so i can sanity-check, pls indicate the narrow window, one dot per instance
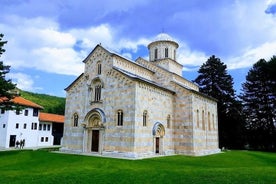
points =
(166, 52)
(120, 118)
(44, 127)
(25, 125)
(46, 139)
(97, 93)
(34, 126)
(42, 139)
(145, 118)
(48, 127)
(155, 53)
(17, 125)
(26, 112)
(2, 111)
(76, 120)
(209, 121)
(203, 122)
(174, 54)
(197, 118)
(40, 126)
(213, 121)
(4, 125)
(35, 112)
(169, 121)
(99, 68)
(17, 111)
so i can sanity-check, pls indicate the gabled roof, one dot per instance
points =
(196, 92)
(99, 45)
(24, 102)
(48, 117)
(70, 85)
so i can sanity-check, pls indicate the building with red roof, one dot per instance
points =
(29, 125)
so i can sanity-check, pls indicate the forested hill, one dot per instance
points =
(51, 104)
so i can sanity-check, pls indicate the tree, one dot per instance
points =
(6, 86)
(259, 104)
(214, 81)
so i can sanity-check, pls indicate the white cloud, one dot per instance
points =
(252, 55)
(23, 81)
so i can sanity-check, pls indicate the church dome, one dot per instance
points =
(163, 37)
(162, 47)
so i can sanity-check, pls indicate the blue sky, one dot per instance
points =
(48, 39)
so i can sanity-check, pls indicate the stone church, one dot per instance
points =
(136, 109)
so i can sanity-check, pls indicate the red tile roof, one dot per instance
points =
(22, 101)
(48, 117)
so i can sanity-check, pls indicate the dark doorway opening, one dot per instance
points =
(12, 140)
(157, 141)
(95, 141)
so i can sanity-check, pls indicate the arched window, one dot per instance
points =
(203, 122)
(145, 113)
(213, 121)
(155, 53)
(166, 52)
(197, 118)
(168, 121)
(75, 120)
(120, 118)
(99, 68)
(96, 90)
(97, 95)
(209, 121)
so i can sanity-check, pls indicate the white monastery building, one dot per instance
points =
(28, 124)
(119, 107)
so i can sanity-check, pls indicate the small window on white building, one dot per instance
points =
(4, 125)
(48, 127)
(40, 126)
(26, 112)
(35, 112)
(46, 139)
(34, 126)
(25, 125)
(42, 139)
(17, 125)
(44, 126)
(2, 111)
(17, 111)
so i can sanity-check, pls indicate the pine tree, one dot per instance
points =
(259, 103)
(214, 81)
(6, 86)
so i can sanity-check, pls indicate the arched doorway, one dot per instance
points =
(158, 132)
(94, 131)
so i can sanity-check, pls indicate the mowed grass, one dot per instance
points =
(46, 167)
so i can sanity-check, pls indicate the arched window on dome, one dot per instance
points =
(155, 53)
(166, 52)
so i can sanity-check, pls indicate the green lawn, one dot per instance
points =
(46, 167)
